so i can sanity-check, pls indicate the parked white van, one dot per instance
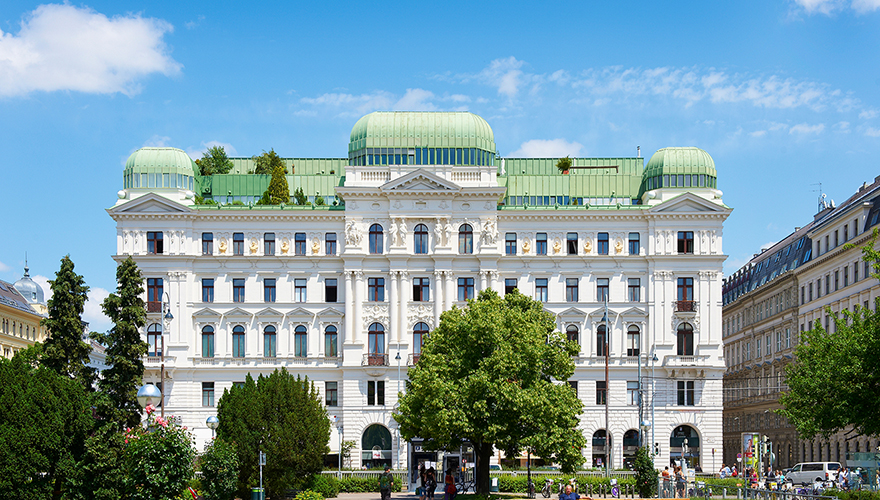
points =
(808, 472)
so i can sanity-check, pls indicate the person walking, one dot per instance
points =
(449, 489)
(386, 482)
(430, 483)
(679, 482)
(667, 485)
(423, 474)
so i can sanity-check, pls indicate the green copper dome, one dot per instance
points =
(159, 168)
(413, 129)
(681, 167)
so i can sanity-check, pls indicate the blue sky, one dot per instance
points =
(782, 93)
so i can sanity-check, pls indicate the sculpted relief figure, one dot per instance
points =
(526, 245)
(490, 232)
(588, 245)
(448, 229)
(401, 232)
(557, 245)
(285, 245)
(352, 234)
(223, 245)
(438, 233)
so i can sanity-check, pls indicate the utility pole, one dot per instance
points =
(607, 380)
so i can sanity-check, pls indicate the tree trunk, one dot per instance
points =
(481, 476)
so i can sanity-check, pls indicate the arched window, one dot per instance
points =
(420, 333)
(376, 344)
(376, 446)
(420, 239)
(685, 340)
(238, 341)
(571, 333)
(300, 341)
(632, 340)
(598, 443)
(601, 341)
(270, 342)
(465, 239)
(331, 339)
(208, 341)
(377, 243)
(154, 339)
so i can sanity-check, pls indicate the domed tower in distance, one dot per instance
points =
(31, 291)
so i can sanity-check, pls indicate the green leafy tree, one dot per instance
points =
(214, 161)
(564, 164)
(159, 459)
(299, 197)
(64, 351)
(44, 418)
(319, 201)
(486, 376)
(834, 377)
(646, 474)
(278, 191)
(281, 415)
(266, 163)
(219, 465)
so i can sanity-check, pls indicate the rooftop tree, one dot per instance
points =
(214, 161)
(278, 191)
(265, 163)
(490, 375)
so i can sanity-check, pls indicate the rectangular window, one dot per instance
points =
(510, 244)
(541, 244)
(330, 290)
(376, 392)
(572, 239)
(541, 289)
(602, 289)
(810, 289)
(421, 289)
(154, 294)
(855, 272)
(269, 244)
(827, 284)
(154, 242)
(331, 394)
(601, 392)
(845, 275)
(300, 342)
(238, 290)
(509, 285)
(685, 242)
(376, 289)
(330, 244)
(269, 290)
(836, 280)
(603, 244)
(207, 393)
(685, 291)
(845, 233)
(778, 341)
(238, 343)
(632, 393)
(574, 386)
(465, 289)
(632, 341)
(571, 289)
(207, 243)
(299, 243)
(270, 344)
(207, 344)
(788, 338)
(769, 346)
(207, 290)
(803, 294)
(634, 243)
(237, 243)
(634, 286)
(685, 393)
(867, 272)
(758, 348)
(299, 289)
(836, 241)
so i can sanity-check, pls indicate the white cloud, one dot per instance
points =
(867, 114)
(820, 6)
(842, 126)
(505, 74)
(197, 152)
(416, 100)
(864, 6)
(872, 132)
(549, 148)
(358, 105)
(803, 128)
(193, 24)
(157, 141)
(758, 133)
(63, 47)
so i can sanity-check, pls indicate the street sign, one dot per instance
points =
(262, 458)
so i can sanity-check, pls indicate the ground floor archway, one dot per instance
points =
(376, 445)
(684, 443)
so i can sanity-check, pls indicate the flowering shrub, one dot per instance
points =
(158, 458)
(219, 465)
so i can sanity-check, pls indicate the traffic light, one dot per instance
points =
(656, 448)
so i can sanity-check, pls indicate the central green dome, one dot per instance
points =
(679, 167)
(421, 129)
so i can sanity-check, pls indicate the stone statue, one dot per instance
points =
(490, 232)
(401, 232)
(448, 230)
(438, 233)
(352, 234)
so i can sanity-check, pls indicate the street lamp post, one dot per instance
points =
(166, 307)
(212, 422)
(607, 340)
(653, 392)
(397, 357)
(148, 394)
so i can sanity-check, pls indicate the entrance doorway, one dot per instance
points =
(376, 447)
(685, 443)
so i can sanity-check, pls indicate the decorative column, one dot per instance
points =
(483, 276)
(357, 320)
(348, 332)
(404, 304)
(394, 305)
(450, 289)
(437, 296)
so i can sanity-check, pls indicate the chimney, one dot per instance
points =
(638, 151)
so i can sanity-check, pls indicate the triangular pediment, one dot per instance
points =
(330, 312)
(573, 312)
(688, 203)
(420, 180)
(206, 313)
(300, 314)
(237, 313)
(269, 313)
(634, 312)
(151, 203)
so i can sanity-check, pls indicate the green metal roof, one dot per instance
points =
(422, 129)
(588, 178)
(160, 160)
(255, 185)
(305, 166)
(689, 160)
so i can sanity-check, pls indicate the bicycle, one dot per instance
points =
(531, 488)
(615, 489)
(546, 490)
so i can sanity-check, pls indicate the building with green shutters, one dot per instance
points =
(420, 215)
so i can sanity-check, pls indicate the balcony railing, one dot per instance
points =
(154, 307)
(413, 359)
(686, 306)
(375, 359)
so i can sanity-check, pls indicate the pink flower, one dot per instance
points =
(149, 409)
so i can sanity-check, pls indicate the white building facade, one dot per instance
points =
(419, 218)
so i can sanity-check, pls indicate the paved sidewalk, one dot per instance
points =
(376, 496)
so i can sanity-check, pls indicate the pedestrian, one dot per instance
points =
(449, 489)
(569, 494)
(430, 483)
(386, 482)
(723, 471)
(667, 490)
(734, 472)
(679, 481)
(423, 474)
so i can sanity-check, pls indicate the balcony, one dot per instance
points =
(413, 359)
(375, 359)
(154, 307)
(676, 361)
(685, 306)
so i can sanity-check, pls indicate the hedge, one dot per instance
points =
(519, 483)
